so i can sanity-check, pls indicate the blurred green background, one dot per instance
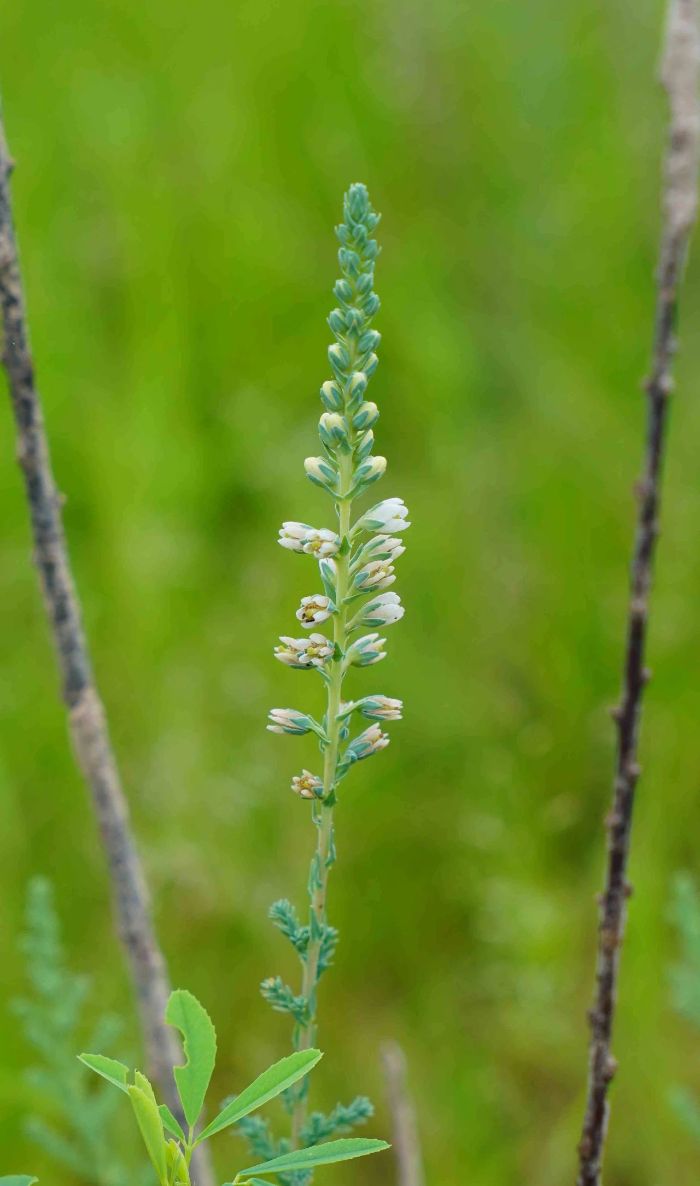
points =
(180, 171)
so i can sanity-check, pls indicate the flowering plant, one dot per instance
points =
(355, 565)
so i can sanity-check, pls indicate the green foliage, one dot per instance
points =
(171, 1157)
(150, 1122)
(302, 1159)
(280, 996)
(76, 1127)
(17, 1180)
(271, 1083)
(199, 1037)
(111, 1070)
(343, 1118)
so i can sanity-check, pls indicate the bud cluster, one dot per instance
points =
(356, 561)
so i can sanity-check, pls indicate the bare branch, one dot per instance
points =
(86, 716)
(405, 1124)
(680, 79)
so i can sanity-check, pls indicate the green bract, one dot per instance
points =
(168, 1144)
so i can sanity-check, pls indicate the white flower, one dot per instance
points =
(315, 609)
(292, 535)
(381, 611)
(368, 743)
(314, 541)
(321, 542)
(365, 651)
(308, 785)
(380, 708)
(388, 517)
(379, 574)
(288, 720)
(313, 651)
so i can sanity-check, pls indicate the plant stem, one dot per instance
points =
(409, 1159)
(680, 78)
(324, 856)
(86, 715)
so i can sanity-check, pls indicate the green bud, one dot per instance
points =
(339, 360)
(371, 469)
(364, 448)
(354, 318)
(357, 200)
(349, 262)
(337, 321)
(333, 430)
(321, 471)
(370, 365)
(360, 236)
(356, 389)
(366, 415)
(369, 340)
(332, 396)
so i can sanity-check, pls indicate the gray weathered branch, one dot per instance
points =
(86, 716)
(680, 78)
(406, 1140)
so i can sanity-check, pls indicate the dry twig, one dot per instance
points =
(680, 78)
(405, 1124)
(86, 716)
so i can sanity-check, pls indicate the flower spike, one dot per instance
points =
(356, 562)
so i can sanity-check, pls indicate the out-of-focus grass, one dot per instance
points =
(180, 169)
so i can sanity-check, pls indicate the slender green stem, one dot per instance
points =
(324, 856)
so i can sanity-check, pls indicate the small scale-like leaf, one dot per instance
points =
(149, 1121)
(307, 1159)
(111, 1070)
(272, 1082)
(170, 1123)
(199, 1037)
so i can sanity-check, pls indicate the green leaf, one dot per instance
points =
(177, 1166)
(111, 1070)
(250, 1182)
(171, 1124)
(17, 1180)
(151, 1126)
(303, 1159)
(199, 1037)
(272, 1082)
